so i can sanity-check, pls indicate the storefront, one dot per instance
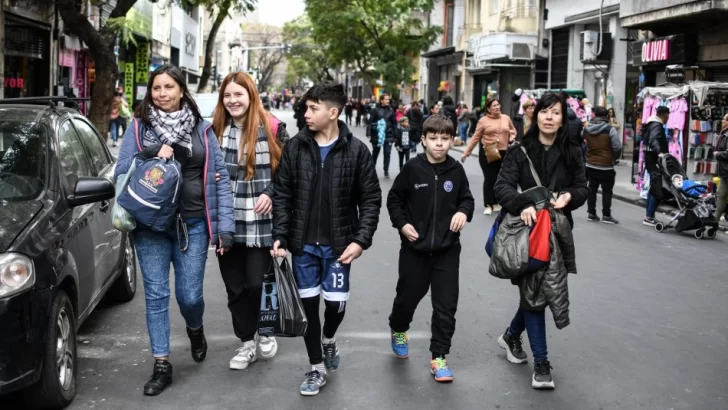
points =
(26, 57)
(73, 70)
(444, 69)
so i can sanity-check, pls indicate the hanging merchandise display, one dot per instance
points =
(693, 128)
(576, 100)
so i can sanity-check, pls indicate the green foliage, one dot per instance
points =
(379, 37)
(306, 59)
(126, 28)
(225, 6)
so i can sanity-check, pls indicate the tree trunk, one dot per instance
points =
(103, 94)
(209, 50)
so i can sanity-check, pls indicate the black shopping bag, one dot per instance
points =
(281, 310)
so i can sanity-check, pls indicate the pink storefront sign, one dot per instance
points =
(66, 58)
(658, 50)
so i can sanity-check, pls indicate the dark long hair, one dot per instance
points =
(562, 142)
(142, 110)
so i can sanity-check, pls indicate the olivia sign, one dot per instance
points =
(657, 50)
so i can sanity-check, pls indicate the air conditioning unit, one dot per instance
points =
(521, 51)
(590, 45)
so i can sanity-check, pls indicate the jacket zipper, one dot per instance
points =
(434, 212)
(317, 156)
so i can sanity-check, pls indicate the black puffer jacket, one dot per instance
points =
(387, 113)
(516, 172)
(356, 197)
(721, 154)
(450, 111)
(575, 128)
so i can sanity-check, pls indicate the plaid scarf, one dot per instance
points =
(251, 229)
(171, 128)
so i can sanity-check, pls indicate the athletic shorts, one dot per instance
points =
(318, 269)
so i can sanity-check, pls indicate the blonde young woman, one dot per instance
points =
(251, 140)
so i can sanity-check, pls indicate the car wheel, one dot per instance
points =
(57, 385)
(124, 288)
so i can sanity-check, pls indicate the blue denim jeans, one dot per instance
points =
(463, 131)
(652, 203)
(115, 125)
(534, 322)
(155, 251)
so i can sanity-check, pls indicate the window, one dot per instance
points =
(72, 155)
(450, 15)
(99, 155)
(22, 160)
(494, 6)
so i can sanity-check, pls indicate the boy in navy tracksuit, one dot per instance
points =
(429, 203)
(402, 141)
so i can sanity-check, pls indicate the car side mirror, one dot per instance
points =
(91, 189)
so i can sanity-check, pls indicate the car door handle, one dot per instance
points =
(104, 206)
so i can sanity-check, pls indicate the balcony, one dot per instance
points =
(489, 47)
(464, 33)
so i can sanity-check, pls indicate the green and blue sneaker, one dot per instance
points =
(400, 344)
(439, 369)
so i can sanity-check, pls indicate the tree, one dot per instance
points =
(100, 45)
(306, 59)
(378, 37)
(265, 60)
(219, 10)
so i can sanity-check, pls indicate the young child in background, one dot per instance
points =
(402, 141)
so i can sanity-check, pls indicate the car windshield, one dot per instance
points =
(22, 160)
(206, 103)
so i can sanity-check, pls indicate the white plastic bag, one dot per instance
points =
(121, 219)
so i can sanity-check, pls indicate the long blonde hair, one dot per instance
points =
(255, 117)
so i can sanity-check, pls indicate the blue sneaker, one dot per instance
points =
(439, 369)
(313, 383)
(332, 360)
(400, 344)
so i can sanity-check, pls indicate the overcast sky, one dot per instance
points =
(277, 12)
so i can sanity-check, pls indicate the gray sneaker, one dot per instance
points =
(514, 348)
(268, 346)
(542, 376)
(313, 383)
(332, 360)
(244, 356)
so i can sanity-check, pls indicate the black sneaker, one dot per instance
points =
(542, 376)
(198, 344)
(649, 221)
(592, 218)
(161, 378)
(332, 360)
(514, 348)
(609, 220)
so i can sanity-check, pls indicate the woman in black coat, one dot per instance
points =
(554, 155)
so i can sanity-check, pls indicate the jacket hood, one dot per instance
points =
(597, 126)
(654, 118)
(449, 161)
(571, 114)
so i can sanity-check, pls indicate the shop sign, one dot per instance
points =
(658, 50)
(65, 58)
(14, 83)
(129, 81)
(142, 62)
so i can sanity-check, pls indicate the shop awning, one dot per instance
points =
(439, 52)
(699, 88)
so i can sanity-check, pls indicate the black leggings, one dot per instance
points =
(333, 316)
(490, 174)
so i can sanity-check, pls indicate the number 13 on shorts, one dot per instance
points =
(335, 284)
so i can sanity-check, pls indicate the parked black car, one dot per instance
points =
(59, 254)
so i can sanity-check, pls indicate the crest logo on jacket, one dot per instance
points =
(448, 186)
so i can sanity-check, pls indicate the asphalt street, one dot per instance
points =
(649, 322)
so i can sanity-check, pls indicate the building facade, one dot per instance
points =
(441, 66)
(500, 41)
(186, 42)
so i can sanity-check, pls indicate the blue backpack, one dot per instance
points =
(152, 195)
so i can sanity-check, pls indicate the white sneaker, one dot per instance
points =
(268, 347)
(244, 357)
(496, 208)
(488, 210)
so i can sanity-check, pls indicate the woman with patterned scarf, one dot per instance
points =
(252, 152)
(167, 124)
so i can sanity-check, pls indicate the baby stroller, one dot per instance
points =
(696, 206)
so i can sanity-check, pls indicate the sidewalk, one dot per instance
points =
(624, 190)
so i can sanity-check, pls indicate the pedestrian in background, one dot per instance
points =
(381, 130)
(252, 154)
(523, 122)
(118, 107)
(721, 155)
(495, 131)
(463, 123)
(558, 163)
(429, 204)
(402, 141)
(655, 142)
(415, 116)
(348, 111)
(168, 124)
(326, 209)
(603, 146)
